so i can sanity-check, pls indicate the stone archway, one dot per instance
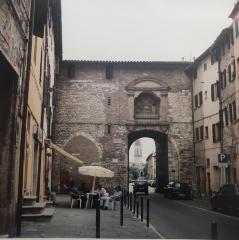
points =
(85, 149)
(161, 142)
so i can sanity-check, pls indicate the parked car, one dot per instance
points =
(140, 186)
(226, 199)
(177, 190)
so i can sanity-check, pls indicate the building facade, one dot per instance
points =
(151, 166)
(103, 107)
(14, 33)
(30, 44)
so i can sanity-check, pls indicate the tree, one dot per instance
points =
(134, 172)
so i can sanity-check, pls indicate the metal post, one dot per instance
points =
(137, 208)
(98, 219)
(130, 202)
(121, 211)
(134, 203)
(214, 230)
(147, 212)
(142, 209)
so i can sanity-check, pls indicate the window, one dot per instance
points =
(229, 70)
(216, 135)
(230, 112)
(108, 129)
(195, 74)
(205, 66)
(234, 110)
(236, 28)
(208, 162)
(201, 133)
(109, 101)
(214, 92)
(71, 71)
(226, 116)
(109, 71)
(223, 79)
(233, 70)
(200, 99)
(196, 101)
(206, 132)
(197, 134)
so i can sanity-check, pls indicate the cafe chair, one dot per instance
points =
(75, 198)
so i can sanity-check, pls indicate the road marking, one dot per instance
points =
(209, 211)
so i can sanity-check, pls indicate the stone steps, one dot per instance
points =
(44, 215)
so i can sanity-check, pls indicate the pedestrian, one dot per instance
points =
(104, 197)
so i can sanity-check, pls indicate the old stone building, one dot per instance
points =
(14, 33)
(103, 107)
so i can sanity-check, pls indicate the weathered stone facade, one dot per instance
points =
(14, 26)
(98, 118)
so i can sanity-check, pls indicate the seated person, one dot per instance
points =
(104, 197)
(83, 191)
(117, 194)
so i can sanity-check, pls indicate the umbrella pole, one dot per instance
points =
(93, 185)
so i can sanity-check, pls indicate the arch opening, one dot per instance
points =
(161, 154)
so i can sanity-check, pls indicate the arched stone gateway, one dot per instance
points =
(161, 142)
(138, 99)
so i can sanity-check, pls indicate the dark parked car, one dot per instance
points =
(226, 199)
(140, 186)
(177, 190)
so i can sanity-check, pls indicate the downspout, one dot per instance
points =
(45, 82)
(24, 121)
(194, 158)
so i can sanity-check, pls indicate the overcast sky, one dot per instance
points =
(141, 29)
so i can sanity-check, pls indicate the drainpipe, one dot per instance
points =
(195, 190)
(24, 122)
(221, 176)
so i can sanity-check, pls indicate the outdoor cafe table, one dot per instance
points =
(90, 199)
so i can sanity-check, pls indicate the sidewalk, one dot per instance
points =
(80, 223)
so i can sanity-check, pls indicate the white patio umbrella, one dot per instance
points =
(95, 171)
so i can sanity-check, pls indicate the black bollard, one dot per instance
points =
(142, 209)
(134, 203)
(124, 197)
(121, 211)
(98, 219)
(137, 209)
(214, 230)
(130, 201)
(147, 212)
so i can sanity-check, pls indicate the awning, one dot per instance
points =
(62, 151)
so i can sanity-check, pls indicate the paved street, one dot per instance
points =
(189, 219)
(80, 223)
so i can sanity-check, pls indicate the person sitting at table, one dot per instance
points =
(83, 191)
(117, 194)
(104, 197)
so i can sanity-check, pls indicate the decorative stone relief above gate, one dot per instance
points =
(147, 100)
(146, 105)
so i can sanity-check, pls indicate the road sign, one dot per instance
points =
(223, 160)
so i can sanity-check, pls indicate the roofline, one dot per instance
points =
(234, 10)
(209, 50)
(107, 61)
